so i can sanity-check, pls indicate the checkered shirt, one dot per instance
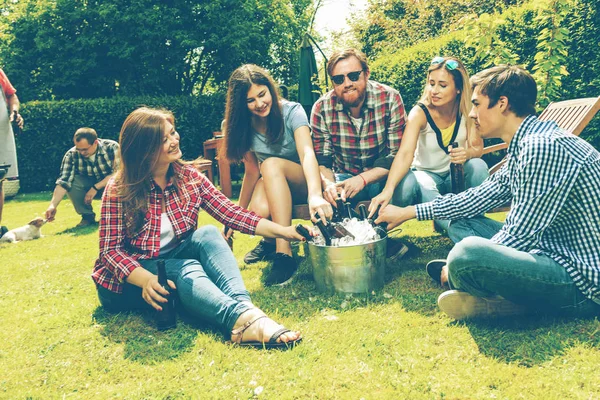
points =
(105, 163)
(553, 180)
(339, 145)
(119, 252)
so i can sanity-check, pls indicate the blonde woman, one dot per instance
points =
(439, 119)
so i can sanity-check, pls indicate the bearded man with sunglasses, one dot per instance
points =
(357, 128)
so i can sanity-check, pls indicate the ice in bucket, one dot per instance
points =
(353, 263)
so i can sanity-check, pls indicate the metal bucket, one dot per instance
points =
(349, 269)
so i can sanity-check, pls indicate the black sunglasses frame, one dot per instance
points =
(353, 76)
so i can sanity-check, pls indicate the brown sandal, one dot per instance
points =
(272, 343)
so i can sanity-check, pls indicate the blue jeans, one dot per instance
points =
(482, 268)
(208, 280)
(433, 184)
(406, 193)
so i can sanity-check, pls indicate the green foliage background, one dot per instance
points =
(62, 49)
(51, 125)
(406, 69)
(397, 24)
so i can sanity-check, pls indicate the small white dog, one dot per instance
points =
(30, 231)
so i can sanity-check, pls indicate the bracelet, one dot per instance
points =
(363, 178)
(95, 188)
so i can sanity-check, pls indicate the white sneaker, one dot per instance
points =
(462, 305)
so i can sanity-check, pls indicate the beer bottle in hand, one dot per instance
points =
(349, 211)
(457, 175)
(304, 232)
(325, 232)
(230, 239)
(363, 212)
(338, 213)
(15, 126)
(165, 319)
(379, 228)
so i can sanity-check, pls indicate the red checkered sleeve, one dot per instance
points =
(113, 255)
(321, 136)
(397, 123)
(392, 100)
(223, 210)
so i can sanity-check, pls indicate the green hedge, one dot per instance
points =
(50, 125)
(406, 70)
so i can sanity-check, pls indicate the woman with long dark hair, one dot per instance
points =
(439, 119)
(150, 211)
(272, 137)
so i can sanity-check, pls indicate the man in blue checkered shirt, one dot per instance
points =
(85, 170)
(546, 255)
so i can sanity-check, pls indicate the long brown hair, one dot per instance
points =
(140, 143)
(238, 126)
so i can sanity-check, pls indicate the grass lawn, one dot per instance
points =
(56, 342)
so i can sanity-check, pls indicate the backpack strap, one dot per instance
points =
(438, 133)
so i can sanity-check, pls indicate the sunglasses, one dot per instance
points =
(353, 76)
(451, 65)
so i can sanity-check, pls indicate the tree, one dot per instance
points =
(395, 24)
(97, 48)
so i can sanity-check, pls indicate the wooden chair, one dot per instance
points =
(571, 115)
(212, 147)
(203, 165)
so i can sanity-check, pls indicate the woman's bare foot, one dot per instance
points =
(254, 328)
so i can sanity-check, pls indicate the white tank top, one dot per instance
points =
(429, 156)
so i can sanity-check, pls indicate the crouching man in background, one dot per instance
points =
(85, 170)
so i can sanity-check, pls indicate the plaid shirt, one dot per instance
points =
(119, 253)
(342, 147)
(105, 163)
(553, 180)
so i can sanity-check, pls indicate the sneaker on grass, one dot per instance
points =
(263, 251)
(282, 270)
(87, 220)
(395, 249)
(462, 305)
(434, 270)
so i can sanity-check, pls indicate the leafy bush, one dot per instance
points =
(406, 69)
(583, 22)
(391, 24)
(50, 125)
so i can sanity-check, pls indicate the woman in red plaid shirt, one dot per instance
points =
(150, 211)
